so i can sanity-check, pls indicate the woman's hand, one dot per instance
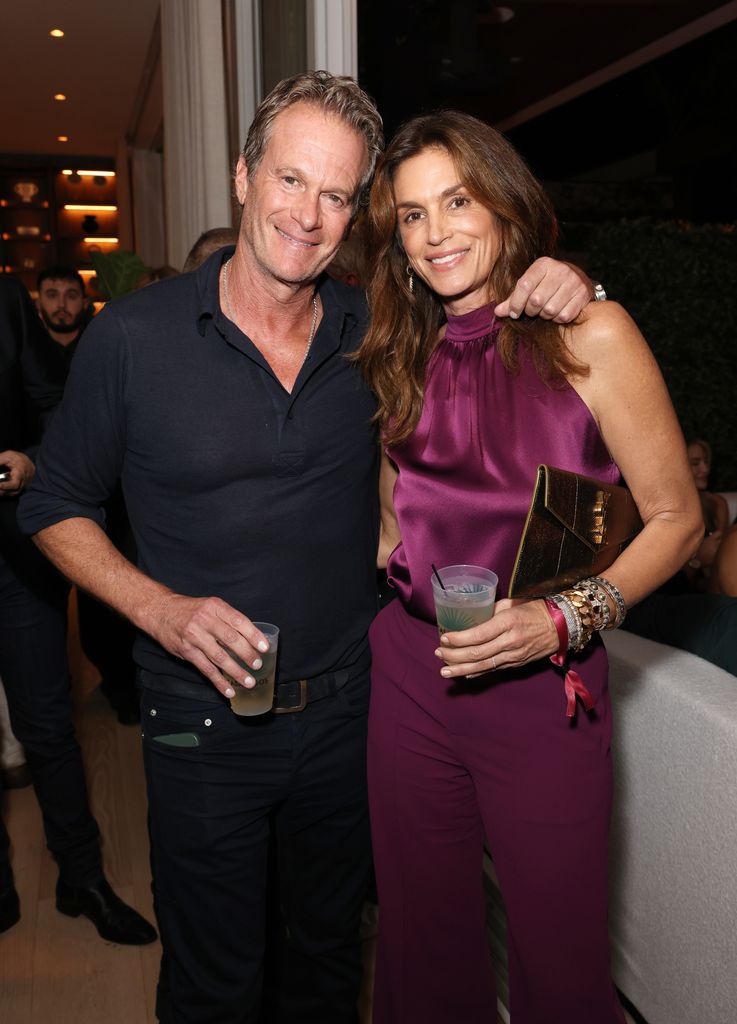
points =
(518, 632)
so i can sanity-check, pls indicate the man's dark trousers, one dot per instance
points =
(216, 784)
(33, 667)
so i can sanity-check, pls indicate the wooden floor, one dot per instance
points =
(55, 968)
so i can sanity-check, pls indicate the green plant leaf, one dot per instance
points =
(117, 272)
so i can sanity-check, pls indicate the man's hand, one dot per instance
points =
(203, 630)
(21, 473)
(549, 289)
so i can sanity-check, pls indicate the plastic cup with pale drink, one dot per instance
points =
(258, 699)
(464, 598)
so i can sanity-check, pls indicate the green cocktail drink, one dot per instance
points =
(466, 597)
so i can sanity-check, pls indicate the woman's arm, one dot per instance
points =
(389, 535)
(627, 396)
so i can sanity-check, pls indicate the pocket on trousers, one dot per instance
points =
(173, 722)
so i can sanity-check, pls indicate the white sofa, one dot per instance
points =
(673, 899)
(674, 833)
(731, 498)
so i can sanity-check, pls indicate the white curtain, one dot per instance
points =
(148, 209)
(332, 36)
(196, 171)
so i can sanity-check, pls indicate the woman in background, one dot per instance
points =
(470, 740)
(715, 514)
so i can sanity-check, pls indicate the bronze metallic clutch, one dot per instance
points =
(576, 527)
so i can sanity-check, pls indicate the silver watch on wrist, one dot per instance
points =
(599, 293)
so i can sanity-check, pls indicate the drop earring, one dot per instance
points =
(411, 277)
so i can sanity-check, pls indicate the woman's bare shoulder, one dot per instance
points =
(604, 332)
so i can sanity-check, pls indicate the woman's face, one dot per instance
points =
(451, 240)
(700, 467)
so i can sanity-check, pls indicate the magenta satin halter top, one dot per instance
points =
(467, 472)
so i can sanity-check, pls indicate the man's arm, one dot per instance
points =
(196, 629)
(389, 536)
(79, 463)
(550, 289)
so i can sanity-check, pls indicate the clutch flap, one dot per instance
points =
(598, 514)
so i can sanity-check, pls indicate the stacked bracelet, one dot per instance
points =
(587, 610)
(578, 596)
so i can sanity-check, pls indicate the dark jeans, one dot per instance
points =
(219, 786)
(33, 667)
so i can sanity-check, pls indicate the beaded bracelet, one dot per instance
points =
(617, 599)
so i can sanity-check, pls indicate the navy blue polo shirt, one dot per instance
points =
(234, 487)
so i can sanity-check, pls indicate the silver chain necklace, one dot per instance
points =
(229, 311)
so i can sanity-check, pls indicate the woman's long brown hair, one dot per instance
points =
(405, 322)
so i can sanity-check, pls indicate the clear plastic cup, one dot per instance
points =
(468, 597)
(258, 699)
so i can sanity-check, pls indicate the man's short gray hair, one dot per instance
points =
(334, 94)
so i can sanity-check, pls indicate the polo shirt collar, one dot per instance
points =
(334, 307)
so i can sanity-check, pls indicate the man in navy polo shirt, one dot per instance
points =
(225, 402)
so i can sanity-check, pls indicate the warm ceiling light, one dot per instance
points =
(98, 174)
(62, 138)
(87, 206)
(59, 97)
(94, 240)
(87, 273)
(57, 33)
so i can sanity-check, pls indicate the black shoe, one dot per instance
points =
(113, 919)
(9, 909)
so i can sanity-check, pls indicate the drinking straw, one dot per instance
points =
(437, 575)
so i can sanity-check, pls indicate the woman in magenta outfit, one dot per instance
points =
(469, 738)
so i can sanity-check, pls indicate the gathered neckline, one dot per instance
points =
(478, 323)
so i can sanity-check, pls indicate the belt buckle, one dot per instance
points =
(297, 707)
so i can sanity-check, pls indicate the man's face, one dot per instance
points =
(62, 305)
(299, 202)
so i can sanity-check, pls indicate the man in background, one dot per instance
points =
(63, 305)
(33, 657)
(107, 640)
(208, 243)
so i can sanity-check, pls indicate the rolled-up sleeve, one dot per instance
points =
(82, 453)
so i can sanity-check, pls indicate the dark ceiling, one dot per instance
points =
(577, 86)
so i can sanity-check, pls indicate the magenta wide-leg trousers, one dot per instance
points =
(494, 758)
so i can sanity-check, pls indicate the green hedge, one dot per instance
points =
(679, 282)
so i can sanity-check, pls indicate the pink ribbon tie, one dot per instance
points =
(574, 684)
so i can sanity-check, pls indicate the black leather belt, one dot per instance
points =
(297, 694)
